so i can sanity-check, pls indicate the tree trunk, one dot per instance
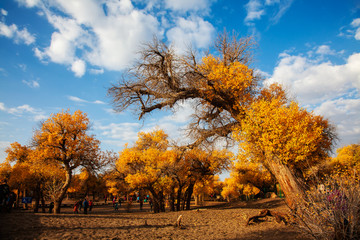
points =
(290, 185)
(63, 190)
(189, 192)
(172, 199)
(178, 198)
(37, 198)
(42, 202)
(158, 201)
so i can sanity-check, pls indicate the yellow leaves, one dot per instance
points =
(63, 138)
(284, 131)
(17, 153)
(143, 164)
(235, 79)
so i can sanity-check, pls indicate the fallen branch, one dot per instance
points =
(178, 221)
(279, 217)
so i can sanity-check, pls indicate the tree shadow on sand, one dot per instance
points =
(252, 204)
(271, 234)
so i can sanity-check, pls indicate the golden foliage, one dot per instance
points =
(274, 131)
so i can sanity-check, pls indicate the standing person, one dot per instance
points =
(90, 205)
(151, 204)
(76, 207)
(80, 205)
(119, 201)
(51, 207)
(85, 205)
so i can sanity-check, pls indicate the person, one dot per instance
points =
(151, 204)
(76, 207)
(51, 207)
(119, 201)
(85, 205)
(116, 206)
(90, 205)
(80, 205)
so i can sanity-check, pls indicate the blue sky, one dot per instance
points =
(61, 54)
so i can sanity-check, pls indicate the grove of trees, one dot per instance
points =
(231, 103)
(277, 140)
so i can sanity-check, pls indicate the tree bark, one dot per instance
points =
(178, 198)
(172, 199)
(37, 198)
(42, 202)
(290, 185)
(63, 190)
(189, 192)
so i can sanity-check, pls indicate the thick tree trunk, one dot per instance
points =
(189, 192)
(63, 190)
(172, 199)
(178, 198)
(290, 185)
(158, 201)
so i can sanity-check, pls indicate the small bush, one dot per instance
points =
(331, 210)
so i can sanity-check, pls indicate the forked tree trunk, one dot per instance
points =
(63, 190)
(290, 185)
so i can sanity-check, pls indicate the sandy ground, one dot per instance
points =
(227, 221)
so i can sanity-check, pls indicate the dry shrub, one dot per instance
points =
(331, 209)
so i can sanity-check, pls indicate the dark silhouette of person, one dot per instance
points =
(85, 205)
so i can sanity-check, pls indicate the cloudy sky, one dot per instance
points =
(61, 54)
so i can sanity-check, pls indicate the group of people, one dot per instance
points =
(85, 204)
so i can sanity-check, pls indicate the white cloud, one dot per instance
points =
(186, 5)
(29, 3)
(345, 113)
(331, 90)
(19, 36)
(24, 110)
(3, 12)
(118, 134)
(79, 100)
(325, 50)
(78, 67)
(107, 35)
(315, 82)
(99, 102)
(193, 31)
(255, 10)
(97, 71)
(356, 24)
(182, 113)
(76, 99)
(32, 83)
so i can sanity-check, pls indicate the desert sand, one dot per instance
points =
(222, 221)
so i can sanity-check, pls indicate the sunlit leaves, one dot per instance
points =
(284, 132)
(63, 138)
(235, 81)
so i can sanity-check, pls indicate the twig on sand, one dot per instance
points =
(178, 222)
